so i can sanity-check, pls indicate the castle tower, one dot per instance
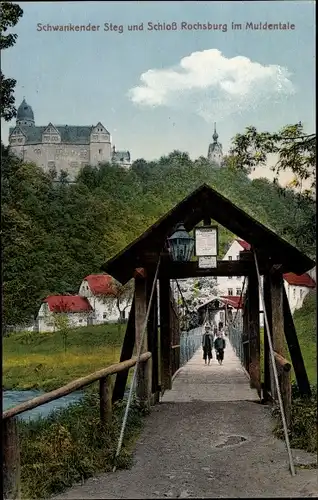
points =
(25, 116)
(215, 152)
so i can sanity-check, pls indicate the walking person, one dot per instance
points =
(219, 346)
(207, 344)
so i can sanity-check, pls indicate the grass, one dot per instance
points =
(305, 324)
(71, 445)
(39, 361)
(303, 426)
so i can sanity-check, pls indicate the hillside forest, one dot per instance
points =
(56, 233)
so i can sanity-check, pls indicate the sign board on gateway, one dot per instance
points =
(207, 262)
(206, 241)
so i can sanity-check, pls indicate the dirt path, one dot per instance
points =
(209, 437)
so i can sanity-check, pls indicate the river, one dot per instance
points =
(13, 398)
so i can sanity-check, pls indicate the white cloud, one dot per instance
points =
(212, 85)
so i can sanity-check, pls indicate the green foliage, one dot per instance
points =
(38, 360)
(10, 14)
(71, 446)
(54, 234)
(62, 325)
(296, 151)
(306, 328)
(303, 427)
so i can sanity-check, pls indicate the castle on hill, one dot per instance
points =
(66, 148)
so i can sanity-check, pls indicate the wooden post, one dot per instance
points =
(276, 286)
(145, 383)
(283, 370)
(105, 400)
(285, 384)
(165, 333)
(140, 317)
(254, 333)
(153, 339)
(11, 460)
(268, 373)
(126, 353)
(294, 349)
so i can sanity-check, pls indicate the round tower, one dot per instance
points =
(215, 152)
(25, 116)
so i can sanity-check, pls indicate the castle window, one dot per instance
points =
(20, 139)
(230, 291)
(100, 151)
(51, 164)
(230, 257)
(238, 291)
(74, 164)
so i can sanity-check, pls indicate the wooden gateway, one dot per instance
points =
(275, 256)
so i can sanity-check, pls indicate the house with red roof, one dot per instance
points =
(106, 297)
(77, 310)
(297, 287)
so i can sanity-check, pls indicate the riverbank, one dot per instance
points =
(34, 360)
(71, 445)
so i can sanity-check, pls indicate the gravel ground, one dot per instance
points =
(208, 438)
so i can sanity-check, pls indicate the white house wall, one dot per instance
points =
(45, 319)
(295, 295)
(104, 310)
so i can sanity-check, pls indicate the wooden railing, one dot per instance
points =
(10, 437)
(284, 378)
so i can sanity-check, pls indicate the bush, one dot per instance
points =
(71, 445)
(303, 425)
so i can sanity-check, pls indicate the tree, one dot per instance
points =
(10, 14)
(296, 151)
(61, 323)
(121, 296)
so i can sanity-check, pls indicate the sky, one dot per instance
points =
(160, 90)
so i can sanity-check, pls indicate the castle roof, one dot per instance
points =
(118, 156)
(70, 134)
(25, 112)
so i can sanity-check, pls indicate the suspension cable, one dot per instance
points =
(121, 436)
(271, 350)
(240, 299)
(182, 297)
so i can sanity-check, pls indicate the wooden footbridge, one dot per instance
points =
(153, 333)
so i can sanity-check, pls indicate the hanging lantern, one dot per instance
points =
(181, 244)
